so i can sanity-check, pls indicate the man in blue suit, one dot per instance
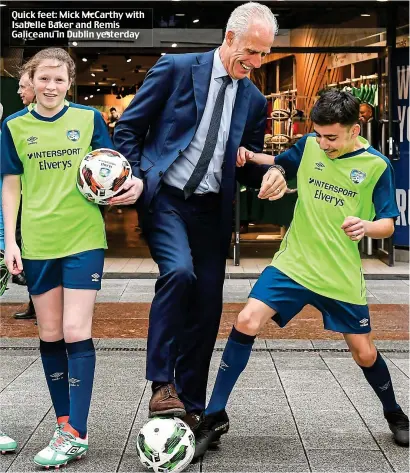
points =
(181, 134)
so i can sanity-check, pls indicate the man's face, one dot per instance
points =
(336, 140)
(26, 90)
(365, 113)
(245, 52)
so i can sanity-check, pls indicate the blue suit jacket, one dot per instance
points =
(161, 121)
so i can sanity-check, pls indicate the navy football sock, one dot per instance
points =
(81, 367)
(55, 365)
(378, 377)
(234, 360)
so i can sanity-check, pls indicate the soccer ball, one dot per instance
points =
(165, 444)
(102, 175)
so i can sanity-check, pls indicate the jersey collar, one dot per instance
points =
(365, 147)
(49, 119)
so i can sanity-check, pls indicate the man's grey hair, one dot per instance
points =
(244, 15)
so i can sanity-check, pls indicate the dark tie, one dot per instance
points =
(210, 142)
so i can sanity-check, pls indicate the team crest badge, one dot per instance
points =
(73, 135)
(357, 176)
(105, 172)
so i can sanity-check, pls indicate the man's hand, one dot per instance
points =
(354, 228)
(133, 189)
(273, 185)
(12, 258)
(243, 156)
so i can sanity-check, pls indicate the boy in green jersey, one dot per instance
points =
(346, 191)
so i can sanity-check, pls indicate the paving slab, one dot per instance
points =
(348, 461)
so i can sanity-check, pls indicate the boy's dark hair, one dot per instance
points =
(113, 108)
(336, 106)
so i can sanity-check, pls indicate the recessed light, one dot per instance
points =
(174, 45)
(93, 74)
(91, 96)
(74, 43)
(85, 59)
(114, 84)
(179, 14)
(98, 90)
(163, 54)
(364, 14)
(196, 20)
(128, 59)
(382, 0)
(3, 5)
(85, 98)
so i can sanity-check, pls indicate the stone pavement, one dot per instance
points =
(235, 290)
(300, 406)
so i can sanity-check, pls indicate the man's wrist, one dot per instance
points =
(279, 168)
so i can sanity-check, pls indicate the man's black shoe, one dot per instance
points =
(399, 425)
(29, 313)
(19, 279)
(209, 431)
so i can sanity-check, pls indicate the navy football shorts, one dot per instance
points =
(80, 271)
(287, 298)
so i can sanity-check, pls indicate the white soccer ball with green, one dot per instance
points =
(165, 445)
(102, 175)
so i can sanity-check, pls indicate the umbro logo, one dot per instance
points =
(32, 140)
(364, 322)
(385, 387)
(74, 382)
(223, 366)
(73, 450)
(56, 376)
(95, 277)
(319, 166)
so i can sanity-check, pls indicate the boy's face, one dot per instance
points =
(336, 140)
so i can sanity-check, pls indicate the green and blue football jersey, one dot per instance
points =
(57, 220)
(315, 251)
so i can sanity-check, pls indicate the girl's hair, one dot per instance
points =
(57, 54)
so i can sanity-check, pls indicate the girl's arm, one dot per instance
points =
(11, 195)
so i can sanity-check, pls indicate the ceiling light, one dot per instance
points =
(174, 45)
(3, 5)
(85, 59)
(74, 43)
(196, 20)
(91, 96)
(85, 98)
(98, 90)
(128, 59)
(114, 84)
(163, 54)
(93, 74)
(179, 14)
(382, 0)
